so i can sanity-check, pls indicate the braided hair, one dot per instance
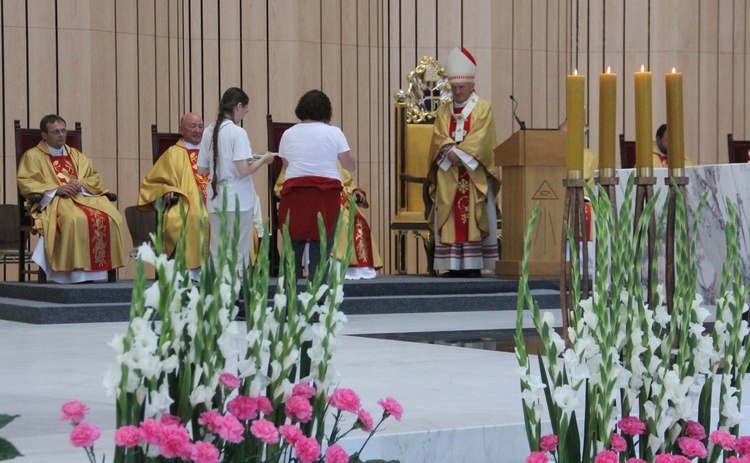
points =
(232, 96)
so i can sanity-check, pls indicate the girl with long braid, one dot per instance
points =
(226, 155)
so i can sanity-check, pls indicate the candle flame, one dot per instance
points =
(673, 71)
(609, 70)
(575, 72)
(643, 68)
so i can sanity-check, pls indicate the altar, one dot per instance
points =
(718, 182)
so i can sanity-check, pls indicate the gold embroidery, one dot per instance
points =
(463, 185)
(98, 239)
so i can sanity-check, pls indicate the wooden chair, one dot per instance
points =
(627, 153)
(160, 141)
(25, 140)
(10, 236)
(739, 150)
(275, 131)
(140, 225)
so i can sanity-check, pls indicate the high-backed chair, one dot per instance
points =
(25, 140)
(739, 150)
(627, 153)
(415, 113)
(10, 237)
(275, 131)
(140, 225)
(160, 141)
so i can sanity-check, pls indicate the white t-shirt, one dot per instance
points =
(312, 149)
(234, 145)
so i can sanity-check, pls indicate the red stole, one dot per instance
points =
(461, 201)
(200, 180)
(98, 222)
(362, 238)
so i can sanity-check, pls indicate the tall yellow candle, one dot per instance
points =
(607, 120)
(643, 123)
(675, 121)
(576, 89)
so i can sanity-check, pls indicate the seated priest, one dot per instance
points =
(79, 227)
(174, 180)
(661, 147)
(365, 260)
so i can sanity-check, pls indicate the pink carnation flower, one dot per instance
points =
(742, 445)
(174, 441)
(632, 426)
(298, 408)
(128, 436)
(537, 457)
(307, 450)
(364, 420)
(548, 443)
(291, 433)
(265, 431)
(736, 460)
(84, 435)
(722, 438)
(391, 407)
(617, 443)
(335, 454)
(345, 399)
(606, 456)
(74, 411)
(264, 405)
(695, 430)
(680, 459)
(243, 407)
(229, 381)
(171, 419)
(212, 420)
(304, 390)
(231, 430)
(204, 452)
(635, 460)
(152, 431)
(692, 447)
(663, 458)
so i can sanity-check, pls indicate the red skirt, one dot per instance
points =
(302, 199)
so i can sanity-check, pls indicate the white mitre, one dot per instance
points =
(460, 67)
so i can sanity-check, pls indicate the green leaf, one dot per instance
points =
(7, 450)
(5, 419)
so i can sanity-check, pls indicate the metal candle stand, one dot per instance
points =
(574, 215)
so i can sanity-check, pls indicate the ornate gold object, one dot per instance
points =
(428, 89)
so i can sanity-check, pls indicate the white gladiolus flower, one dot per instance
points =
(566, 398)
(662, 317)
(548, 319)
(133, 381)
(731, 411)
(291, 359)
(275, 370)
(201, 394)
(170, 364)
(556, 340)
(591, 319)
(158, 402)
(279, 301)
(146, 340)
(578, 375)
(136, 358)
(112, 379)
(146, 253)
(529, 398)
(117, 343)
(321, 292)
(246, 368)
(304, 298)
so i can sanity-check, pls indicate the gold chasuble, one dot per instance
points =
(661, 160)
(80, 232)
(175, 172)
(461, 194)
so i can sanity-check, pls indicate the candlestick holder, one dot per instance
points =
(644, 182)
(575, 216)
(677, 181)
(608, 180)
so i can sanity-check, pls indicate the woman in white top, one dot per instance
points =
(311, 151)
(227, 156)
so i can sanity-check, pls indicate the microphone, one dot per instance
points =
(518, 119)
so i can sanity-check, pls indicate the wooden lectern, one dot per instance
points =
(533, 168)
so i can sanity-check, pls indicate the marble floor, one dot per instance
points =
(450, 394)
